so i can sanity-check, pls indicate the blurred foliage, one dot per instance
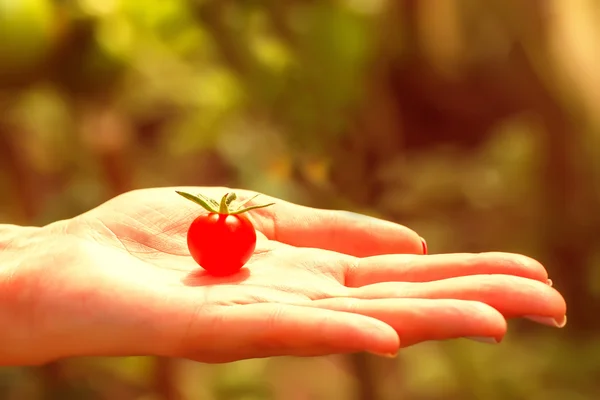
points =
(475, 123)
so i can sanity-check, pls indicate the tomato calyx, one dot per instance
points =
(226, 206)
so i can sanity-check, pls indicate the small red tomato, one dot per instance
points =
(223, 240)
(221, 244)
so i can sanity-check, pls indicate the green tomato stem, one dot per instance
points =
(231, 198)
(225, 206)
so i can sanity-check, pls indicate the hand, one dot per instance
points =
(118, 280)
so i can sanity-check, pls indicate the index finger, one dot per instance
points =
(335, 230)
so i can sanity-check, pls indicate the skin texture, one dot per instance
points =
(221, 244)
(119, 280)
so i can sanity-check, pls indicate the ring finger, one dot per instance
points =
(511, 295)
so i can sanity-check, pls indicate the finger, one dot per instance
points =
(266, 330)
(419, 320)
(342, 232)
(512, 296)
(411, 268)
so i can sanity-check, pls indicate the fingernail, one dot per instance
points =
(483, 339)
(549, 321)
(549, 282)
(424, 243)
(386, 355)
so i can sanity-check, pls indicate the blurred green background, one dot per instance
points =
(476, 123)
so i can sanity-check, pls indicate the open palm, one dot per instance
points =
(319, 282)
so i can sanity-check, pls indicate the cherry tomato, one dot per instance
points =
(221, 244)
(223, 240)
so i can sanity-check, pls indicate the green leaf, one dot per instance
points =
(251, 208)
(208, 200)
(247, 201)
(198, 200)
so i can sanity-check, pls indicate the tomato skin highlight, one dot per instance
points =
(221, 244)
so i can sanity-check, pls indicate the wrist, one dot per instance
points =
(17, 346)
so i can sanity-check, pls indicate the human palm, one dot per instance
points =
(319, 282)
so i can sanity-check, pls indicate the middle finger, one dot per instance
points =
(512, 296)
(417, 268)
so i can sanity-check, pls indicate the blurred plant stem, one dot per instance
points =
(570, 244)
(53, 380)
(366, 380)
(164, 379)
(20, 176)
